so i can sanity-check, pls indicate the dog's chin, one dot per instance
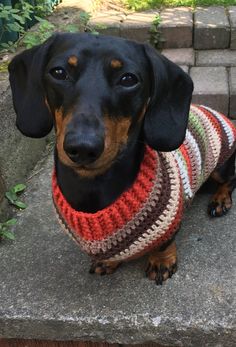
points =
(97, 168)
(91, 170)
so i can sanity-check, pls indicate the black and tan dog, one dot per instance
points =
(107, 97)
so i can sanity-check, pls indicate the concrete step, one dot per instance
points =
(46, 291)
(18, 154)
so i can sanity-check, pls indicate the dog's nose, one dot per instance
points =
(83, 150)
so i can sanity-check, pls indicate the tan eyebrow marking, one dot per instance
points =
(73, 60)
(116, 64)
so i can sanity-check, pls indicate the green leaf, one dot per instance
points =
(14, 26)
(20, 204)
(11, 196)
(8, 235)
(19, 188)
(11, 222)
(4, 45)
(39, 19)
(15, 10)
(19, 18)
(71, 28)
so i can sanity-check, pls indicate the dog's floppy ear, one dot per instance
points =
(167, 113)
(26, 74)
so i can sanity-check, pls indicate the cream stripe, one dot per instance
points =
(167, 217)
(225, 125)
(184, 173)
(194, 152)
(214, 141)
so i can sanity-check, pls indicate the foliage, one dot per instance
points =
(44, 31)
(155, 35)
(15, 19)
(12, 196)
(5, 232)
(18, 18)
(145, 4)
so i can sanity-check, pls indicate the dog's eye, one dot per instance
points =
(128, 80)
(59, 73)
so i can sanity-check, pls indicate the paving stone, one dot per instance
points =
(180, 56)
(211, 87)
(216, 57)
(232, 88)
(176, 27)
(47, 293)
(232, 19)
(136, 26)
(212, 29)
(107, 22)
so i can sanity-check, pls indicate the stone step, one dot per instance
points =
(204, 28)
(213, 74)
(232, 89)
(232, 19)
(46, 291)
(176, 27)
(211, 87)
(218, 57)
(211, 28)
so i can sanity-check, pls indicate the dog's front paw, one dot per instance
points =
(162, 265)
(104, 267)
(221, 202)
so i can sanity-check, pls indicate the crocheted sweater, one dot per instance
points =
(150, 211)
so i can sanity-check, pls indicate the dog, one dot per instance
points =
(131, 150)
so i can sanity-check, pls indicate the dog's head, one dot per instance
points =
(102, 94)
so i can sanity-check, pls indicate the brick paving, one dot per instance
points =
(202, 42)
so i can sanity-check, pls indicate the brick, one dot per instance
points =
(136, 26)
(107, 22)
(180, 56)
(212, 29)
(232, 89)
(224, 57)
(176, 27)
(211, 87)
(232, 19)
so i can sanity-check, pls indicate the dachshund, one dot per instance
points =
(131, 150)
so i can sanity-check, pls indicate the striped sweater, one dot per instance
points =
(150, 211)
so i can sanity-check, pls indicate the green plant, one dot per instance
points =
(83, 24)
(12, 196)
(17, 20)
(12, 20)
(44, 30)
(156, 38)
(5, 233)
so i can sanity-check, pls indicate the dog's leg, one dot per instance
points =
(221, 202)
(104, 267)
(162, 263)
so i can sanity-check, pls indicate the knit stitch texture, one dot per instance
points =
(149, 213)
